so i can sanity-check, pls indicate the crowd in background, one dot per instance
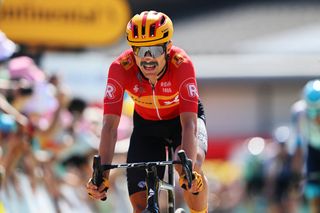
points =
(48, 139)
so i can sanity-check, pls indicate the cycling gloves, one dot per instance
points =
(105, 183)
(196, 180)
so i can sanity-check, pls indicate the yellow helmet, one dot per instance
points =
(149, 28)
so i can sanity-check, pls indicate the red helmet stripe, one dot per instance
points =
(144, 19)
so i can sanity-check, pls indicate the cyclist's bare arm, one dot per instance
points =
(189, 132)
(108, 138)
(106, 151)
(196, 196)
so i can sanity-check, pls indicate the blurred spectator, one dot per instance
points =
(306, 129)
(47, 140)
(24, 67)
(32, 95)
(250, 156)
(7, 47)
(12, 122)
(254, 181)
(281, 186)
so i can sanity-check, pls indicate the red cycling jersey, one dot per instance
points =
(175, 92)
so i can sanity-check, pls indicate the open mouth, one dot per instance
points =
(149, 65)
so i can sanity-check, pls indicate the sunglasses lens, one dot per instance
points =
(153, 51)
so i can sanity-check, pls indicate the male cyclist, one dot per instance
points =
(160, 78)
(306, 120)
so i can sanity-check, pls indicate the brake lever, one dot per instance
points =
(187, 166)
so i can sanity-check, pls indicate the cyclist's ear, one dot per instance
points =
(169, 45)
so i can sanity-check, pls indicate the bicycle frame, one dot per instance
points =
(153, 183)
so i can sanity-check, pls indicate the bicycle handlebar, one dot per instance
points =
(187, 166)
(98, 169)
(97, 172)
(97, 178)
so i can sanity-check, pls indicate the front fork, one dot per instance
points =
(152, 182)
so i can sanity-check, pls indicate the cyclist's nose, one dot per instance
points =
(148, 54)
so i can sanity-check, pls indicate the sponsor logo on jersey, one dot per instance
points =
(142, 184)
(188, 90)
(166, 86)
(169, 102)
(177, 59)
(110, 90)
(192, 90)
(127, 62)
(113, 92)
(136, 88)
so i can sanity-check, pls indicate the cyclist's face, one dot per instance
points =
(151, 60)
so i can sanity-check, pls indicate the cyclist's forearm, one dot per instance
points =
(188, 144)
(189, 131)
(108, 138)
(107, 145)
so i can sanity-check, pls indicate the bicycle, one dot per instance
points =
(153, 183)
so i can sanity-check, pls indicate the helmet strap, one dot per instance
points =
(167, 56)
(160, 74)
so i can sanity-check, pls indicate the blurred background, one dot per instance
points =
(252, 58)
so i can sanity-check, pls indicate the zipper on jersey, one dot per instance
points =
(154, 99)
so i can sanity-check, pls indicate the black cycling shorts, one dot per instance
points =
(148, 143)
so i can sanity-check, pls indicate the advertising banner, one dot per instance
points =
(68, 23)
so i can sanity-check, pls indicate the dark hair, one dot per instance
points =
(77, 105)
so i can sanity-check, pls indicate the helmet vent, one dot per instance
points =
(135, 31)
(143, 30)
(152, 30)
(163, 19)
(165, 34)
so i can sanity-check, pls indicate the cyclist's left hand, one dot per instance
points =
(196, 185)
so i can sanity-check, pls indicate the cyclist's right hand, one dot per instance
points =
(99, 193)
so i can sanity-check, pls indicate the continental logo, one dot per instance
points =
(162, 102)
(127, 62)
(177, 59)
(70, 23)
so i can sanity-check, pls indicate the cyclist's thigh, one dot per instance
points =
(202, 135)
(143, 149)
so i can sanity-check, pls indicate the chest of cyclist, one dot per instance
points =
(139, 86)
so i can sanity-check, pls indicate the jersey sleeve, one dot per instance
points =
(113, 96)
(188, 89)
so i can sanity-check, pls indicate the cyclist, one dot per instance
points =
(306, 120)
(160, 78)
